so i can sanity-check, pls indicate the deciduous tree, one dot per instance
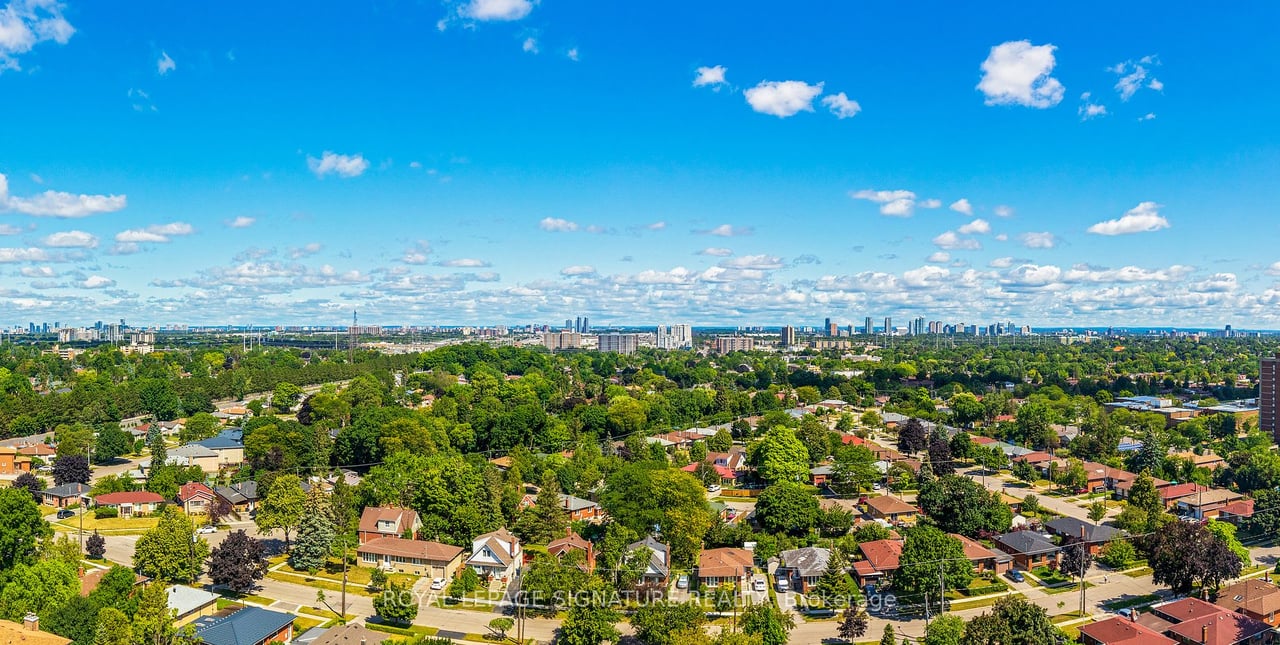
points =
(171, 550)
(282, 508)
(21, 527)
(239, 562)
(71, 469)
(786, 508)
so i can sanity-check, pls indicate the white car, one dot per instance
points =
(438, 584)
(207, 529)
(714, 488)
(758, 585)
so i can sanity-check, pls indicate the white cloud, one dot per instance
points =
(39, 272)
(979, 226)
(783, 98)
(1143, 218)
(1217, 283)
(572, 54)
(557, 225)
(58, 204)
(241, 222)
(926, 276)
(306, 250)
(10, 255)
(530, 45)
(951, 241)
(331, 163)
(1147, 117)
(727, 230)
(1002, 237)
(712, 77)
(1003, 211)
(9, 229)
(501, 10)
(578, 270)
(27, 23)
(721, 252)
(156, 234)
(1001, 263)
(1133, 76)
(938, 257)
(469, 263)
(759, 262)
(1018, 73)
(894, 203)
(962, 206)
(1274, 269)
(165, 64)
(96, 282)
(841, 106)
(1038, 240)
(657, 226)
(931, 203)
(1088, 109)
(71, 240)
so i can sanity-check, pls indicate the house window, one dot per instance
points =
(370, 558)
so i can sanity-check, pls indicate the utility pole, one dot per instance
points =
(1085, 551)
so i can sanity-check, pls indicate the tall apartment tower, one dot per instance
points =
(833, 329)
(1268, 395)
(888, 326)
(867, 327)
(788, 336)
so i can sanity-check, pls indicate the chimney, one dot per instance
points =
(31, 622)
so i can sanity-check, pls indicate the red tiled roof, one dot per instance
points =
(1239, 508)
(1220, 628)
(1035, 457)
(972, 550)
(981, 440)
(567, 543)
(133, 497)
(852, 439)
(724, 471)
(724, 563)
(1121, 631)
(882, 554)
(193, 489)
(1180, 490)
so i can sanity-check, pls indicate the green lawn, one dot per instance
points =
(1049, 578)
(355, 575)
(117, 524)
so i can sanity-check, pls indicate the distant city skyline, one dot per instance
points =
(472, 161)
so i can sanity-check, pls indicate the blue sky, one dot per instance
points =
(490, 161)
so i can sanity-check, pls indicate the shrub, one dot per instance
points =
(105, 512)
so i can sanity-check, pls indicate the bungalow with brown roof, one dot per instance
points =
(387, 521)
(1206, 504)
(1208, 460)
(1195, 622)
(417, 557)
(1172, 493)
(132, 503)
(41, 450)
(891, 509)
(724, 565)
(984, 559)
(1255, 598)
(1235, 512)
(572, 542)
(28, 633)
(1038, 458)
(1121, 631)
(879, 559)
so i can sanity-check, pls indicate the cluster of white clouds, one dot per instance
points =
(52, 203)
(27, 23)
(1019, 73)
(1143, 218)
(165, 64)
(332, 163)
(780, 98)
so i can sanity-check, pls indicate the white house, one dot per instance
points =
(496, 554)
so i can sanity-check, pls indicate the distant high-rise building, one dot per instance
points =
(618, 343)
(832, 328)
(559, 340)
(867, 327)
(826, 323)
(726, 344)
(1269, 396)
(674, 336)
(888, 326)
(577, 324)
(788, 336)
(568, 324)
(586, 325)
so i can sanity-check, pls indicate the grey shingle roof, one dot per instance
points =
(67, 490)
(1027, 542)
(1071, 527)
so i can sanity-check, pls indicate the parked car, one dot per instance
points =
(1015, 575)
(876, 486)
(207, 528)
(714, 488)
(784, 585)
(682, 582)
(65, 513)
(758, 584)
(438, 584)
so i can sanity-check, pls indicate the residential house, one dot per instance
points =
(724, 566)
(572, 542)
(387, 521)
(28, 632)
(89, 580)
(820, 475)
(417, 557)
(496, 554)
(579, 510)
(1038, 459)
(1028, 548)
(659, 568)
(1095, 535)
(832, 404)
(1172, 493)
(242, 496)
(891, 509)
(1208, 460)
(727, 475)
(1192, 621)
(247, 626)
(195, 498)
(349, 634)
(65, 495)
(879, 559)
(41, 450)
(1255, 598)
(188, 455)
(803, 566)
(1206, 504)
(130, 504)
(171, 428)
(1234, 512)
(229, 446)
(190, 603)
(984, 559)
(12, 463)
(1123, 482)
(1121, 631)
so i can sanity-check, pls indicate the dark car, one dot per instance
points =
(1015, 575)
(65, 513)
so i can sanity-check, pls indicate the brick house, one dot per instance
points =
(387, 521)
(417, 557)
